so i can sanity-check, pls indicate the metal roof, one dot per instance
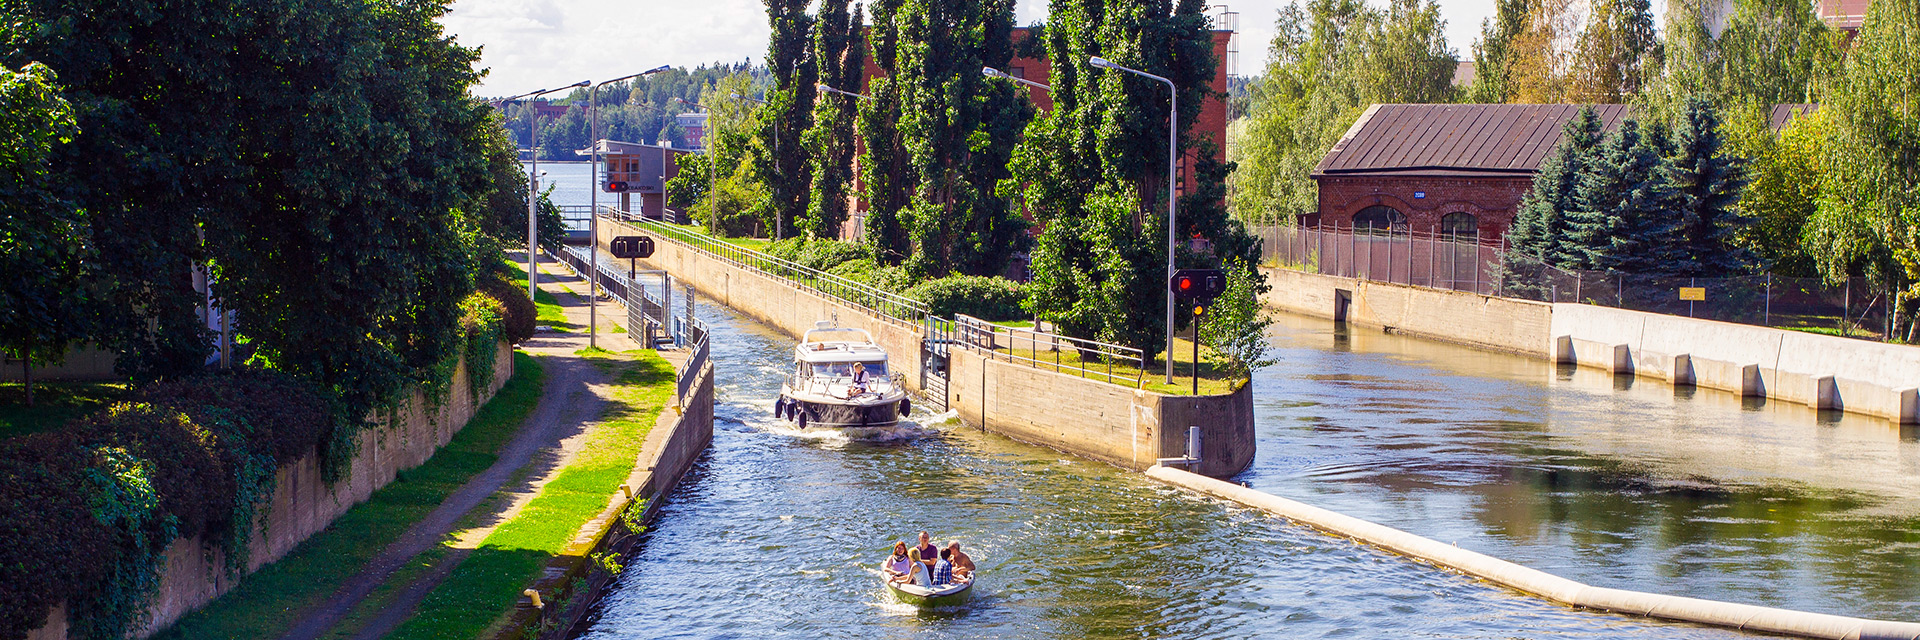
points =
(1455, 139)
(1785, 113)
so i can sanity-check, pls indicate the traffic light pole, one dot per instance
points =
(1198, 313)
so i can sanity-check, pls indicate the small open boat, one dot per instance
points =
(946, 594)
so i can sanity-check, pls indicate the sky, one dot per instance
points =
(539, 44)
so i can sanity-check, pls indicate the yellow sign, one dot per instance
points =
(1693, 293)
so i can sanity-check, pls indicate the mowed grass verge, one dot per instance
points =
(547, 307)
(487, 585)
(267, 603)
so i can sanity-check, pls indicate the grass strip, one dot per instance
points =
(54, 403)
(267, 603)
(487, 584)
(547, 307)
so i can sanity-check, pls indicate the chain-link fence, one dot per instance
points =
(1433, 258)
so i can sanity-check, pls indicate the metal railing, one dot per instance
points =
(697, 344)
(1431, 258)
(849, 292)
(1116, 364)
(642, 308)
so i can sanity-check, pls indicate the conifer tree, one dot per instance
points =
(1624, 219)
(1539, 226)
(1708, 184)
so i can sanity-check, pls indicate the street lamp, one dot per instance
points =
(779, 224)
(996, 73)
(1173, 151)
(824, 87)
(593, 205)
(533, 186)
(706, 142)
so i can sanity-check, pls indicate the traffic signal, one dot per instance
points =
(631, 247)
(617, 186)
(1198, 284)
(1200, 308)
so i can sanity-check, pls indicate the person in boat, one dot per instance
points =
(943, 569)
(917, 572)
(859, 380)
(962, 563)
(896, 564)
(926, 548)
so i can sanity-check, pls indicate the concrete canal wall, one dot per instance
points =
(1722, 614)
(1082, 416)
(573, 580)
(303, 503)
(1824, 372)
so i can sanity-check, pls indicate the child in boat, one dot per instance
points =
(896, 565)
(943, 569)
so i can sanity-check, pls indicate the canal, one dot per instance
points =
(778, 533)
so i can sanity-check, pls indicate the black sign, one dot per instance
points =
(629, 247)
(1197, 284)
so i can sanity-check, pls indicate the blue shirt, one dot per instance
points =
(943, 572)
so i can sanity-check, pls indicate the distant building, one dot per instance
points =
(1450, 168)
(695, 127)
(1845, 15)
(631, 168)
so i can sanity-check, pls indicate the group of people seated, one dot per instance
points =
(927, 565)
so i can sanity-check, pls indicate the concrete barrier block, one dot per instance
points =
(1826, 393)
(1908, 402)
(1751, 384)
(1622, 359)
(1683, 370)
(1563, 350)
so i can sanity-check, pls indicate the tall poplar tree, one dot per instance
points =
(841, 55)
(1092, 169)
(1624, 217)
(1707, 182)
(788, 113)
(885, 165)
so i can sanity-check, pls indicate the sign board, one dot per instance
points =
(630, 247)
(1693, 293)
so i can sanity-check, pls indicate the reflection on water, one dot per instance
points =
(778, 535)
(1605, 479)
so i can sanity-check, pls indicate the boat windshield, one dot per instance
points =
(845, 369)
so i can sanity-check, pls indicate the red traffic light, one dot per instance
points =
(1186, 284)
(1200, 284)
(617, 186)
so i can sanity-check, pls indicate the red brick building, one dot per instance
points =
(1211, 123)
(1450, 168)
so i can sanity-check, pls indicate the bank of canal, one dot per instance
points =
(777, 533)
(1614, 482)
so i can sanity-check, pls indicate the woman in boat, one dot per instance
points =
(917, 572)
(896, 564)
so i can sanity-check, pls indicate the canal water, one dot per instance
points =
(778, 534)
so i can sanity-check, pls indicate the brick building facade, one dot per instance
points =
(1459, 169)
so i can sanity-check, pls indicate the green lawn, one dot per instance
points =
(488, 583)
(1214, 379)
(54, 403)
(548, 307)
(265, 604)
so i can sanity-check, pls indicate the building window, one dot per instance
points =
(1460, 223)
(1018, 72)
(1379, 219)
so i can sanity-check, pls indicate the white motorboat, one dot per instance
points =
(841, 381)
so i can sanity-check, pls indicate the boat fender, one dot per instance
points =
(803, 419)
(780, 408)
(906, 407)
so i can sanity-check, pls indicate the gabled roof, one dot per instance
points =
(1785, 113)
(1455, 139)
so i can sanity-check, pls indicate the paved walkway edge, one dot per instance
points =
(1539, 583)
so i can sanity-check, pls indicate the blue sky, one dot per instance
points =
(536, 44)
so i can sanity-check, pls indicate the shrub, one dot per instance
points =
(517, 313)
(986, 298)
(50, 543)
(823, 255)
(865, 270)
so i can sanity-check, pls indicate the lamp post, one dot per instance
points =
(996, 73)
(593, 205)
(533, 186)
(779, 224)
(824, 87)
(1173, 151)
(706, 142)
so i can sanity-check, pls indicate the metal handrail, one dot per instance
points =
(987, 338)
(850, 292)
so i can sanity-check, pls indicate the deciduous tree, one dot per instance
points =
(788, 113)
(46, 288)
(838, 46)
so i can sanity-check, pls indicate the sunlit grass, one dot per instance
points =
(54, 403)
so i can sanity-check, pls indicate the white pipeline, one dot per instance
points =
(1724, 614)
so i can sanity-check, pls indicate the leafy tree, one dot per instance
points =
(1616, 53)
(739, 204)
(1087, 171)
(1492, 52)
(1866, 223)
(885, 165)
(1537, 62)
(787, 113)
(1788, 175)
(1236, 324)
(691, 184)
(958, 129)
(841, 54)
(1708, 181)
(1623, 218)
(1540, 225)
(46, 296)
(1403, 55)
(1774, 52)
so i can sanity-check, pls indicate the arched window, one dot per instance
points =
(1460, 223)
(1378, 219)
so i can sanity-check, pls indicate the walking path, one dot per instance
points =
(575, 396)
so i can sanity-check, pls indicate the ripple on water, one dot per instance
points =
(777, 534)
